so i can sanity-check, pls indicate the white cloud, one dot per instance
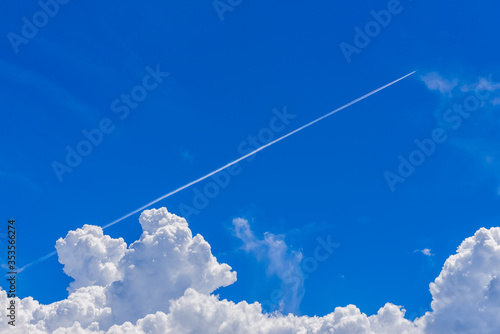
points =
(200, 313)
(161, 265)
(165, 280)
(425, 251)
(466, 295)
(477, 129)
(483, 83)
(280, 261)
(90, 257)
(434, 81)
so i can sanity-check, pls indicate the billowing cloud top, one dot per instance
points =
(163, 283)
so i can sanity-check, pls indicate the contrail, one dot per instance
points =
(254, 152)
(43, 258)
(234, 162)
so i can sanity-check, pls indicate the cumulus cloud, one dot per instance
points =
(161, 265)
(90, 257)
(466, 294)
(168, 278)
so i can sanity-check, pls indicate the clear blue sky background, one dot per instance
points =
(226, 76)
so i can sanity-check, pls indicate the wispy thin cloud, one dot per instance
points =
(434, 81)
(273, 251)
(425, 251)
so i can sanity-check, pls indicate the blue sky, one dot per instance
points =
(225, 79)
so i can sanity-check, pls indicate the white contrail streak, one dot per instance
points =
(43, 258)
(253, 152)
(235, 161)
